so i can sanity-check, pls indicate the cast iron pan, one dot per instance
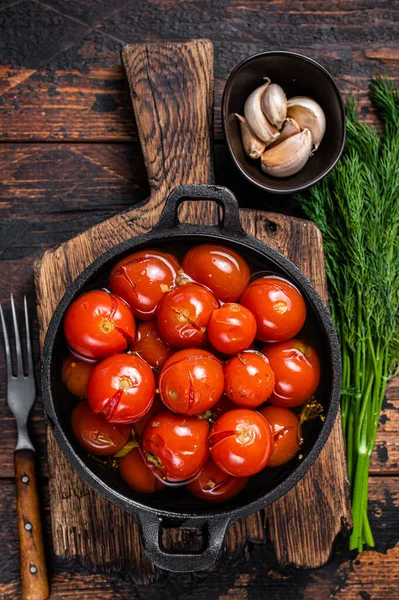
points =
(174, 507)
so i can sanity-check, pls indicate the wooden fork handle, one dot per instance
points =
(34, 582)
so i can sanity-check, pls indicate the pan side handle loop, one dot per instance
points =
(213, 531)
(230, 221)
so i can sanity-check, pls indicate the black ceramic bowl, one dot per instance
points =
(298, 76)
(175, 507)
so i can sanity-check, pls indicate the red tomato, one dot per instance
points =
(296, 368)
(232, 328)
(285, 428)
(191, 381)
(122, 388)
(143, 279)
(221, 269)
(279, 308)
(95, 434)
(214, 485)
(150, 346)
(141, 424)
(221, 407)
(75, 374)
(241, 442)
(98, 324)
(183, 315)
(176, 446)
(248, 379)
(137, 474)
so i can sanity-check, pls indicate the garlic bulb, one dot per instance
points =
(288, 157)
(308, 114)
(290, 128)
(274, 104)
(256, 119)
(253, 146)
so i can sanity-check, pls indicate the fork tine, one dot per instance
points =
(28, 338)
(6, 343)
(20, 366)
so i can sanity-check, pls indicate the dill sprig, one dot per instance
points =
(357, 210)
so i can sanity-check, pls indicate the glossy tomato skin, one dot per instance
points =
(191, 381)
(137, 474)
(75, 374)
(150, 345)
(141, 423)
(122, 388)
(220, 268)
(286, 432)
(248, 379)
(214, 485)
(99, 324)
(176, 445)
(232, 328)
(279, 308)
(142, 279)
(241, 442)
(183, 315)
(95, 434)
(296, 368)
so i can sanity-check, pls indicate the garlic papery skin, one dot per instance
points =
(289, 157)
(274, 105)
(255, 118)
(290, 128)
(308, 114)
(253, 146)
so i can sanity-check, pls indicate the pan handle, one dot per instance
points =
(230, 222)
(213, 532)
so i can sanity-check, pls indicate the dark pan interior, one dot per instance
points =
(178, 499)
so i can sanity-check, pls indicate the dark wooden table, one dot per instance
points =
(69, 158)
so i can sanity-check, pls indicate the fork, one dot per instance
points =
(21, 394)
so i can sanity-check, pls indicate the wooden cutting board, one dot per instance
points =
(171, 85)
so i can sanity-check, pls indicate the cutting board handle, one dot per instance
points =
(171, 86)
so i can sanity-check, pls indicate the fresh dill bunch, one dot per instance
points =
(357, 210)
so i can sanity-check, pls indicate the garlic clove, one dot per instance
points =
(289, 157)
(253, 146)
(290, 128)
(308, 114)
(274, 104)
(255, 118)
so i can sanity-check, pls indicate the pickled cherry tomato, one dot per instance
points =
(296, 368)
(286, 434)
(122, 388)
(137, 474)
(248, 379)
(220, 268)
(241, 442)
(150, 346)
(279, 308)
(75, 374)
(232, 328)
(191, 381)
(141, 423)
(98, 324)
(176, 446)
(95, 434)
(183, 315)
(142, 280)
(214, 485)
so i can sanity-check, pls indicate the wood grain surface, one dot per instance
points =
(61, 80)
(172, 89)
